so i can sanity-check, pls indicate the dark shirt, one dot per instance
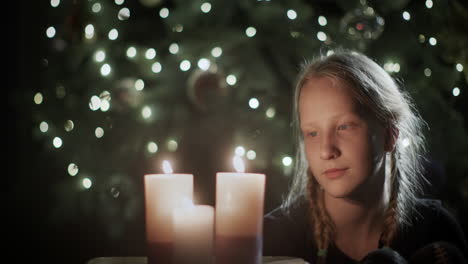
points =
(291, 234)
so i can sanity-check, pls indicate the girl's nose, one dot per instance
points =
(328, 148)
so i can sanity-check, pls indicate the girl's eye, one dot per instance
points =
(343, 127)
(312, 134)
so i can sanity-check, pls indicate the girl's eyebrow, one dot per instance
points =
(333, 117)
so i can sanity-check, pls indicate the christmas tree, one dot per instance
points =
(123, 85)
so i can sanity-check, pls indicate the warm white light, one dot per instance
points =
(270, 112)
(146, 112)
(150, 53)
(250, 32)
(216, 52)
(50, 32)
(204, 64)
(105, 105)
(239, 151)
(164, 12)
(54, 3)
(429, 3)
(156, 67)
(406, 15)
(89, 31)
(321, 36)
(69, 125)
(456, 91)
(99, 56)
(152, 147)
(86, 182)
(99, 132)
(291, 14)
(119, 2)
(174, 48)
(139, 85)
(254, 103)
(459, 67)
(322, 20)
(38, 98)
(205, 7)
(43, 126)
(251, 155)
(166, 166)
(231, 79)
(123, 14)
(238, 164)
(427, 72)
(72, 169)
(113, 34)
(96, 7)
(172, 145)
(131, 52)
(94, 103)
(185, 65)
(287, 161)
(57, 142)
(432, 41)
(106, 69)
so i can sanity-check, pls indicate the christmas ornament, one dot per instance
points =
(206, 89)
(362, 23)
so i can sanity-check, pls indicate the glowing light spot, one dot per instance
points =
(139, 85)
(106, 69)
(251, 155)
(119, 2)
(174, 48)
(54, 3)
(96, 8)
(99, 56)
(270, 112)
(322, 21)
(421, 38)
(406, 142)
(124, 14)
(94, 103)
(38, 98)
(432, 41)
(429, 4)
(459, 67)
(291, 14)
(254, 103)
(204, 64)
(113, 34)
(156, 67)
(166, 166)
(99, 132)
(287, 161)
(216, 52)
(250, 32)
(50, 32)
(172, 145)
(427, 72)
(146, 112)
(164, 12)
(87, 183)
(231, 79)
(238, 164)
(239, 151)
(185, 65)
(152, 147)
(456, 91)
(44, 127)
(131, 52)
(321, 36)
(205, 7)
(105, 105)
(150, 53)
(69, 125)
(406, 15)
(57, 142)
(72, 169)
(89, 31)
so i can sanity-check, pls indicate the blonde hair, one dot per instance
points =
(378, 93)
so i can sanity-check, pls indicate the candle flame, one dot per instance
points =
(238, 164)
(167, 168)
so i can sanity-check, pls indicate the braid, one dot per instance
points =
(391, 213)
(323, 228)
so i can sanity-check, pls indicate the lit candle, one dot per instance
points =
(164, 193)
(239, 216)
(194, 230)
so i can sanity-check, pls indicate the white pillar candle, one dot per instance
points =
(163, 193)
(194, 231)
(239, 217)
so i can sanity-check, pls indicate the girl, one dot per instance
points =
(358, 171)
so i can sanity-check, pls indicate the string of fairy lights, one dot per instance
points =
(103, 101)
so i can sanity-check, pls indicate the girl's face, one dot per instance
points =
(345, 150)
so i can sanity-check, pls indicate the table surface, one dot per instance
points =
(144, 260)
